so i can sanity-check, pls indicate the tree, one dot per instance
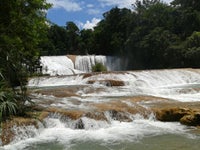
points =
(111, 32)
(154, 35)
(184, 4)
(72, 37)
(187, 16)
(58, 37)
(155, 47)
(87, 42)
(192, 53)
(22, 27)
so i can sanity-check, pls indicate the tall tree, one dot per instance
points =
(72, 37)
(22, 27)
(58, 37)
(188, 16)
(87, 42)
(112, 31)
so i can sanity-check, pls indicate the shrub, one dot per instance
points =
(8, 104)
(99, 67)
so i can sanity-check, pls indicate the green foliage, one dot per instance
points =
(99, 67)
(73, 38)
(8, 105)
(184, 4)
(192, 50)
(193, 40)
(154, 35)
(23, 26)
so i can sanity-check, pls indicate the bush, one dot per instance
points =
(8, 104)
(99, 67)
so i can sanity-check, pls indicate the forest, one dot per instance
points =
(153, 35)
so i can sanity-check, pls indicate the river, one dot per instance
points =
(139, 132)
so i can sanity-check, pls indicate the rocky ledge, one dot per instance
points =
(186, 113)
(107, 82)
(121, 110)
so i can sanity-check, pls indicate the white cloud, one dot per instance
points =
(167, 1)
(90, 5)
(122, 3)
(119, 3)
(68, 5)
(90, 24)
(93, 11)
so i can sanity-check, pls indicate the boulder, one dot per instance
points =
(171, 114)
(120, 116)
(96, 116)
(191, 119)
(79, 124)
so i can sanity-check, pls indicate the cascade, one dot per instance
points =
(56, 131)
(80, 114)
(57, 65)
(62, 65)
(176, 83)
(85, 63)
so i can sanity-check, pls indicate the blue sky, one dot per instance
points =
(85, 13)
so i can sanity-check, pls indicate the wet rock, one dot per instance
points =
(63, 92)
(72, 57)
(79, 124)
(123, 107)
(72, 114)
(96, 116)
(8, 134)
(107, 82)
(171, 114)
(43, 115)
(191, 119)
(120, 116)
(87, 75)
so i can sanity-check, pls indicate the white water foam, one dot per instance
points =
(62, 65)
(57, 130)
(177, 84)
(58, 65)
(55, 81)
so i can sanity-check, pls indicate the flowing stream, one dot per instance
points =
(63, 133)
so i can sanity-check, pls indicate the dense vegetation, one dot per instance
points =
(154, 35)
(99, 67)
(22, 27)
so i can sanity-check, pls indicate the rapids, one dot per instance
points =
(177, 84)
(108, 129)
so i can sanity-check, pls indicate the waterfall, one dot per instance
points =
(85, 63)
(57, 65)
(62, 65)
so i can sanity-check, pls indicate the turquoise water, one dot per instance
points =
(161, 142)
(140, 134)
